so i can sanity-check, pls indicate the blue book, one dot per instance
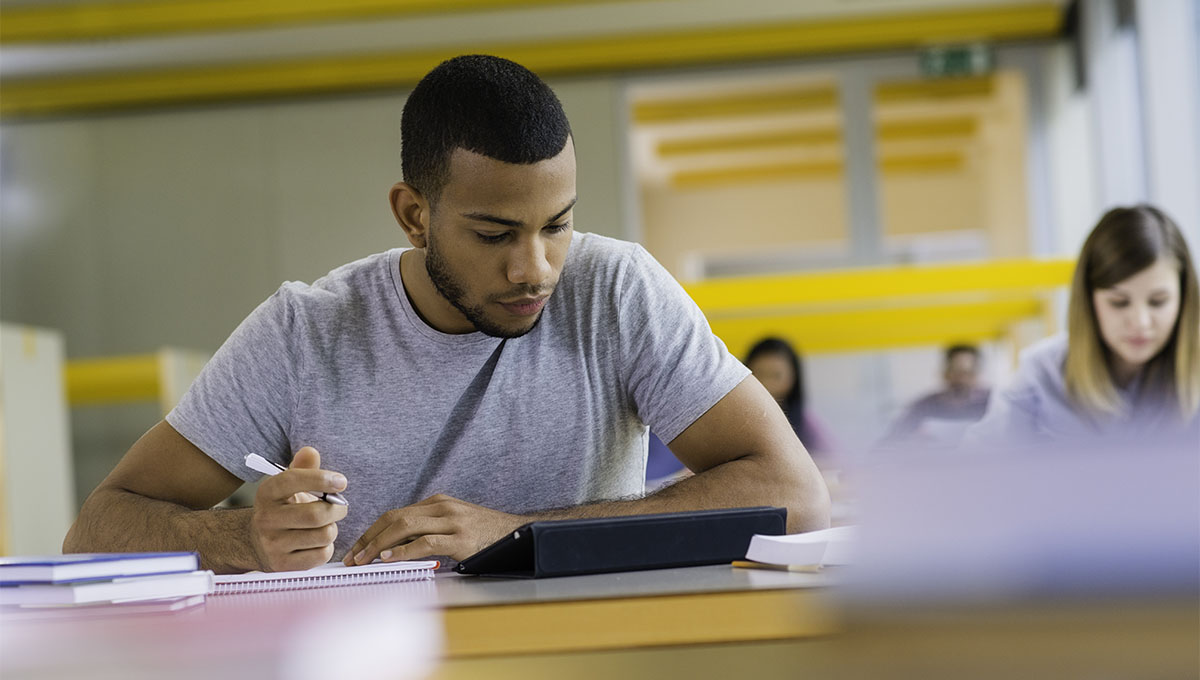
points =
(92, 567)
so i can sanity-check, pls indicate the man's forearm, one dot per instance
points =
(113, 520)
(737, 483)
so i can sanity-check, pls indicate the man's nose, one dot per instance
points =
(527, 263)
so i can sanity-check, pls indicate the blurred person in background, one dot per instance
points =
(943, 416)
(779, 368)
(1128, 369)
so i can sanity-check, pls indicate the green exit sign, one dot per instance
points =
(959, 60)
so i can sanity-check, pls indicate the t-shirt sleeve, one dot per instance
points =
(243, 399)
(674, 367)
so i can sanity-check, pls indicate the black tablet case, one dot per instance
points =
(593, 546)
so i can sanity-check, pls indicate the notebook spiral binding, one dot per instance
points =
(322, 581)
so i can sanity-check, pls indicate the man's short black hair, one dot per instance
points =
(961, 348)
(488, 105)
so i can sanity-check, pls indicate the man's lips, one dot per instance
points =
(525, 306)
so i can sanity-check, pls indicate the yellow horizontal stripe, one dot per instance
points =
(877, 329)
(749, 142)
(946, 88)
(765, 172)
(927, 128)
(943, 161)
(626, 51)
(724, 106)
(933, 128)
(112, 380)
(939, 161)
(103, 20)
(746, 294)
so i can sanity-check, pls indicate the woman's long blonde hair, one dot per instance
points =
(1124, 242)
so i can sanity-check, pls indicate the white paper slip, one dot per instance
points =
(824, 547)
(92, 566)
(117, 590)
(325, 576)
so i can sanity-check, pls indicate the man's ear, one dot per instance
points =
(411, 211)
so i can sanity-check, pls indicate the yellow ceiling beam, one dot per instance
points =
(927, 161)
(927, 128)
(755, 141)
(894, 131)
(46, 95)
(878, 329)
(908, 91)
(724, 106)
(876, 285)
(762, 172)
(126, 19)
(891, 163)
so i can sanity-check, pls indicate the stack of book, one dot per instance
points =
(162, 580)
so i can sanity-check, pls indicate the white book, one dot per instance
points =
(117, 590)
(93, 566)
(824, 547)
(99, 610)
(325, 576)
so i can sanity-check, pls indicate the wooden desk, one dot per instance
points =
(1051, 640)
(706, 622)
(392, 629)
(718, 622)
(490, 617)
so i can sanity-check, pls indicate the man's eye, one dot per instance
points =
(492, 238)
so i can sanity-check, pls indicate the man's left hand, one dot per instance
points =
(438, 525)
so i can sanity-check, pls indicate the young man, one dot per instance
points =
(503, 369)
(943, 416)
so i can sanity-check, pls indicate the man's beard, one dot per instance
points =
(452, 290)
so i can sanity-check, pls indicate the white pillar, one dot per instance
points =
(1170, 77)
(1111, 57)
(37, 505)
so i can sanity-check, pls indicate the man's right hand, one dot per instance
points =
(290, 528)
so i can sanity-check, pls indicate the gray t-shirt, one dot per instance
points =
(555, 418)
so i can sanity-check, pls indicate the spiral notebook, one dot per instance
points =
(324, 576)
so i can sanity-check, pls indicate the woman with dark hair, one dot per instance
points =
(778, 367)
(1129, 366)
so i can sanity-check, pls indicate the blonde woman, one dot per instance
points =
(1129, 366)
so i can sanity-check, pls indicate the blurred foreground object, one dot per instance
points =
(384, 631)
(1032, 562)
